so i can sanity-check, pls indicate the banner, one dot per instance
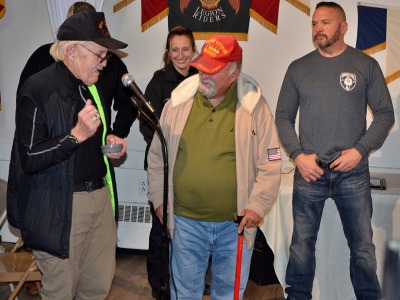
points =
(152, 12)
(378, 30)
(2, 8)
(209, 17)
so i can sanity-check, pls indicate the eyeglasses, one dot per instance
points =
(102, 59)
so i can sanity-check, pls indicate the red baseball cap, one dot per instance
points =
(216, 53)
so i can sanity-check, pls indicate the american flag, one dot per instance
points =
(274, 154)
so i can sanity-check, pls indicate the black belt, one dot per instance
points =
(324, 165)
(89, 186)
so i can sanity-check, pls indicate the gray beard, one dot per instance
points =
(208, 93)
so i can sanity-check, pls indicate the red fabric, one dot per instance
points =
(152, 8)
(267, 9)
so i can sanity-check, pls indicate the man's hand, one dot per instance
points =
(308, 168)
(88, 122)
(349, 159)
(113, 139)
(250, 220)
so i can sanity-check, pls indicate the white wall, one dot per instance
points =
(26, 26)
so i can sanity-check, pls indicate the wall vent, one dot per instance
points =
(136, 213)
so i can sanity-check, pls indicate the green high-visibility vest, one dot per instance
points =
(107, 178)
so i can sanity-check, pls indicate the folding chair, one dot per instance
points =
(16, 266)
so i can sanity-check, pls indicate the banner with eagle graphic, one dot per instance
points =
(209, 17)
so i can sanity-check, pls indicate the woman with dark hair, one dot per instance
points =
(180, 50)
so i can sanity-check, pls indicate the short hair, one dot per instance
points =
(80, 6)
(333, 5)
(58, 49)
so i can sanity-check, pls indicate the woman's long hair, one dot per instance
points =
(178, 30)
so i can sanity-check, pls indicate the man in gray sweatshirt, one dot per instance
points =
(332, 87)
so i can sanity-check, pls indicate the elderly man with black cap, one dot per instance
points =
(61, 196)
(224, 161)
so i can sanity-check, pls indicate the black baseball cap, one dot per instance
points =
(88, 26)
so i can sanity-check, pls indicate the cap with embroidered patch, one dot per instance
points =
(88, 26)
(216, 53)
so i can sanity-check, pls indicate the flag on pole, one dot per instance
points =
(302, 5)
(153, 12)
(266, 12)
(378, 30)
(371, 34)
(2, 8)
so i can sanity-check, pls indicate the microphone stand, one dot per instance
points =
(165, 236)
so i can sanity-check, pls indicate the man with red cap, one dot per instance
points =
(224, 160)
(60, 192)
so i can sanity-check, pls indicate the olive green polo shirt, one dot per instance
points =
(205, 183)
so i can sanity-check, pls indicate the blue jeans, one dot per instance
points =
(193, 244)
(352, 195)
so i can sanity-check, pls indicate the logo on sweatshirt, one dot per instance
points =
(348, 81)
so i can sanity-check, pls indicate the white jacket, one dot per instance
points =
(258, 177)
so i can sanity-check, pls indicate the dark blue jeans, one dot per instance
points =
(352, 195)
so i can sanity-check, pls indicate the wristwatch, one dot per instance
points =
(73, 139)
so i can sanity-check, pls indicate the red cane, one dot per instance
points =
(238, 260)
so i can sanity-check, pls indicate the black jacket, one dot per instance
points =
(158, 92)
(41, 174)
(116, 96)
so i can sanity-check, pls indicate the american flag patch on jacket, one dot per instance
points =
(274, 154)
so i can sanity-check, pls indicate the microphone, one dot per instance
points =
(129, 82)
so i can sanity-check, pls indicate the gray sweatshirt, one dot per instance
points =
(332, 95)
